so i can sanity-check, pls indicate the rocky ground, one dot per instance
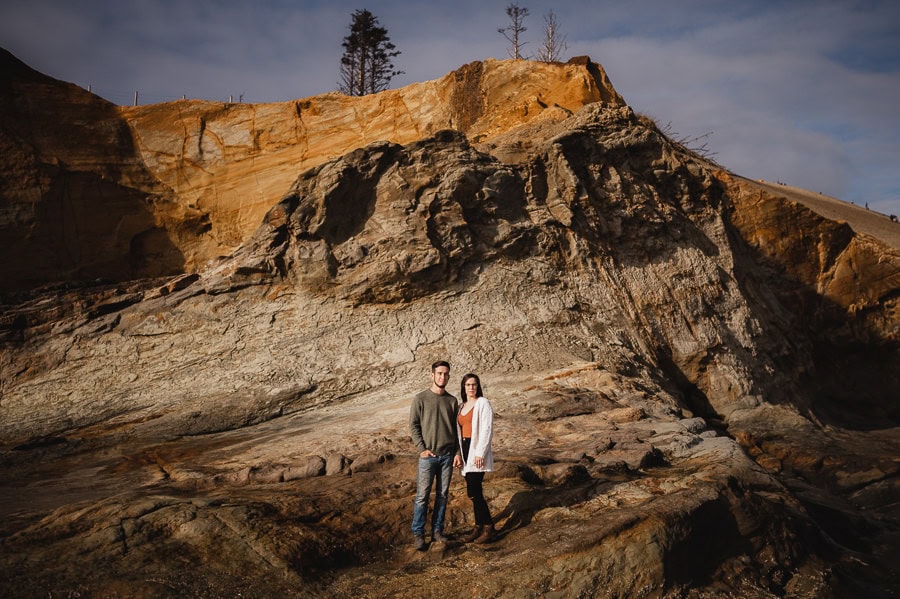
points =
(603, 488)
(597, 489)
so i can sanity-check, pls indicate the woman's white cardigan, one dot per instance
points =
(482, 433)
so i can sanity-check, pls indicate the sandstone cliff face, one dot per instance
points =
(78, 202)
(840, 288)
(191, 180)
(659, 339)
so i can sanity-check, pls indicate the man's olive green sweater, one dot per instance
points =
(432, 422)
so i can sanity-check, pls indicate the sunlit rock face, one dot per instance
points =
(694, 377)
(100, 191)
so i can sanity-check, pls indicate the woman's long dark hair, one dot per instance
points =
(462, 386)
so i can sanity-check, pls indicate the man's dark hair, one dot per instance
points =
(440, 363)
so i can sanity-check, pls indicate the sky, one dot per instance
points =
(805, 92)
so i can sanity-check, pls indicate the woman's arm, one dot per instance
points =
(485, 418)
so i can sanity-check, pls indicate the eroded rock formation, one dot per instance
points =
(163, 188)
(660, 339)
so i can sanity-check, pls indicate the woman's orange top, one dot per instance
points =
(465, 421)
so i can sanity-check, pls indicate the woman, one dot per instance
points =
(475, 428)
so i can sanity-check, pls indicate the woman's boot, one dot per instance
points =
(474, 534)
(487, 534)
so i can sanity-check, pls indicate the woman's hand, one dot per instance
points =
(479, 461)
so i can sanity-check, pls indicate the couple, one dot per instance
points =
(449, 436)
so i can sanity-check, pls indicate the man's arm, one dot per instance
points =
(457, 456)
(415, 427)
(455, 429)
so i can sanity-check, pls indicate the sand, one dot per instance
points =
(862, 220)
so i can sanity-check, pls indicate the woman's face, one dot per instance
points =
(471, 389)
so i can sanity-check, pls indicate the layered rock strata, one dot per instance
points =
(657, 336)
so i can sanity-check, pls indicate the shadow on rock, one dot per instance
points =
(523, 506)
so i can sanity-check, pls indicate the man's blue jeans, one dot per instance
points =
(435, 470)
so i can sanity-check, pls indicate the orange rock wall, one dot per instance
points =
(227, 164)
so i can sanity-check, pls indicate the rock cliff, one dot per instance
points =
(163, 188)
(694, 376)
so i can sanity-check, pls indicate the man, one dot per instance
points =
(432, 422)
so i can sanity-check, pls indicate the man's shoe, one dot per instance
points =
(437, 536)
(476, 532)
(419, 542)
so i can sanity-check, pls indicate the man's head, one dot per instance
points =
(440, 376)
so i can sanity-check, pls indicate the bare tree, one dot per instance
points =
(515, 29)
(554, 41)
(366, 66)
(697, 144)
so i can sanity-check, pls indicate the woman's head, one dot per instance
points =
(470, 387)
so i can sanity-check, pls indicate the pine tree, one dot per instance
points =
(366, 66)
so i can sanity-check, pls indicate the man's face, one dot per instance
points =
(440, 376)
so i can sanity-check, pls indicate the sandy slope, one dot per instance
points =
(867, 222)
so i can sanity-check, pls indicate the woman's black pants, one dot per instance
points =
(474, 481)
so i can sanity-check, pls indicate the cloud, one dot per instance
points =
(779, 97)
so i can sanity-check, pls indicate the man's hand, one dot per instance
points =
(457, 461)
(426, 454)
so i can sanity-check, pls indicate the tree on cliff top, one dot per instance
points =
(554, 41)
(366, 66)
(515, 29)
